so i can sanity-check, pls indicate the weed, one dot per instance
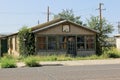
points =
(8, 63)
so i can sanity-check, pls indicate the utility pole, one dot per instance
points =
(48, 14)
(100, 14)
(38, 22)
(119, 27)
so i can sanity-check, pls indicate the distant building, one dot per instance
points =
(117, 41)
(110, 42)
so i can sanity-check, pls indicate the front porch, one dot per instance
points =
(77, 45)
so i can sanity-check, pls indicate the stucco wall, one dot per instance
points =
(118, 43)
(12, 48)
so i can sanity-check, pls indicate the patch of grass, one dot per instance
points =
(93, 57)
(31, 61)
(51, 58)
(8, 63)
(20, 58)
(8, 56)
(47, 58)
(64, 58)
(55, 58)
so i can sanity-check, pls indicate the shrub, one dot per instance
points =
(111, 53)
(26, 41)
(32, 61)
(8, 63)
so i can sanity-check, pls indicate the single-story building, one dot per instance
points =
(59, 36)
(3, 44)
(117, 37)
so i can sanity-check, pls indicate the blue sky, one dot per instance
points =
(16, 13)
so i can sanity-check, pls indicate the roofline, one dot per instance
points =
(60, 20)
(10, 35)
(83, 26)
(35, 31)
(48, 26)
(49, 23)
(57, 19)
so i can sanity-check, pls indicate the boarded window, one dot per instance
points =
(90, 42)
(41, 43)
(63, 42)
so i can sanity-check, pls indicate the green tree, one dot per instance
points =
(107, 28)
(26, 41)
(69, 15)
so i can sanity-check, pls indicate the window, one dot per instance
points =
(80, 42)
(52, 43)
(90, 42)
(63, 42)
(41, 43)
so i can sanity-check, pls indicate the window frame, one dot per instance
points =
(82, 42)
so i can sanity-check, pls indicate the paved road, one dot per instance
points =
(91, 72)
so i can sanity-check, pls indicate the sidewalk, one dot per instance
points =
(76, 63)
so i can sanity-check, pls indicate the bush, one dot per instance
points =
(8, 63)
(26, 41)
(32, 61)
(111, 53)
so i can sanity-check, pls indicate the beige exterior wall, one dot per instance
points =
(13, 47)
(118, 43)
(74, 30)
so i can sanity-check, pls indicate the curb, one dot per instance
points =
(75, 63)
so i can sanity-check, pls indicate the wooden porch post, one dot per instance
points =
(36, 44)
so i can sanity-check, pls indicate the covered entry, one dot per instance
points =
(73, 45)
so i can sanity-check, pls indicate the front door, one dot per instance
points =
(71, 46)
